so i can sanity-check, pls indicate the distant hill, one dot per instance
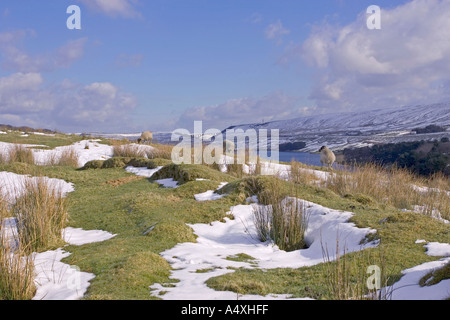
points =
(4, 127)
(364, 128)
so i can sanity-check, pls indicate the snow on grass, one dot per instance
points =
(142, 171)
(5, 147)
(54, 279)
(168, 183)
(86, 150)
(44, 134)
(59, 281)
(218, 241)
(78, 236)
(12, 185)
(408, 287)
(210, 194)
(437, 249)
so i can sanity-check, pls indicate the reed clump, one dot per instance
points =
(16, 264)
(41, 214)
(19, 153)
(128, 150)
(283, 220)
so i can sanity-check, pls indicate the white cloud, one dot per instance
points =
(406, 62)
(273, 106)
(114, 8)
(25, 98)
(21, 93)
(276, 31)
(17, 60)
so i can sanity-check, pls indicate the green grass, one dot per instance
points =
(149, 219)
(126, 265)
(184, 173)
(397, 231)
(58, 140)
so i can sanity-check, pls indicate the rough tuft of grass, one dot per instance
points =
(121, 162)
(16, 265)
(93, 164)
(283, 220)
(128, 150)
(41, 215)
(69, 158)
(184, 173)
(19, 153)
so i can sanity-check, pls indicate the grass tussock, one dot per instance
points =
(128, 150)
(300, 173)
(69, 158)
(41, 215)
(184, 173)
(16, 265)
(361, 275)
(160, 151)
(19, 153)
(283, 221)
(394, 187)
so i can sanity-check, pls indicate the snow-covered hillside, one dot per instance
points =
(363, 128)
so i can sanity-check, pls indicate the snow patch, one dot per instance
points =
(12, 185)
(218, 240)
(59, 281)
(210, 194)
(168, 183)
(142, 172)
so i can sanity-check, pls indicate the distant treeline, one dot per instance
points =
(292, 146)
(422, 157)
(4, 127)
(430, 129)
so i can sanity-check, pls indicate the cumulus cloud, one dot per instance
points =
(114, 8)
(276, 31)
(16, 59)
(26, 99)
(406, 62)
(273, 106)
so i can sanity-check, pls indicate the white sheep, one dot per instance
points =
(327, 157)
(146, 136)
(228, 146)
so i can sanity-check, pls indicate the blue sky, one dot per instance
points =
(160, 65)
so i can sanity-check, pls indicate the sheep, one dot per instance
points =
(146, 136)
(228, 146)
(327, 157)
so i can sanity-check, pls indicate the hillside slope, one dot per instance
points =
(363, 128)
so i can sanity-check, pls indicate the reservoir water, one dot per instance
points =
(303, 157)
